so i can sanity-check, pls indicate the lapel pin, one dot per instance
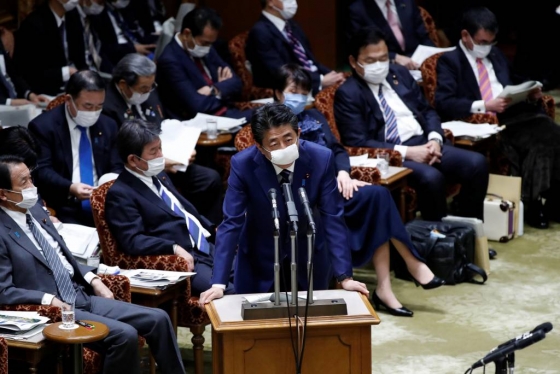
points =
(163, 178)
(395, 80)
(16, 234)
(307, 176)
(45, 221)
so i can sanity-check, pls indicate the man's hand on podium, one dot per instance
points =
(209, 295)
(350, 284)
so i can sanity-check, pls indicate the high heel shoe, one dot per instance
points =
(399, 312)
(434, 283)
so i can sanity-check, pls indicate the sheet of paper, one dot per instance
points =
(416, 74)
(518, 93)
(167, 277)
(363, 160)
(82, 241)
(18, 115)
(224, 123)
(266, 100)
(422, 52)
(178, 141)
(476, 131)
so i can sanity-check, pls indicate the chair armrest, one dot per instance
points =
(52, 312)
(119, 286)
(481, 118)
(366, 174)
(549, 105)
(395, 157)
(246, 105)
(449, 136)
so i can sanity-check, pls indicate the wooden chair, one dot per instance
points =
(431, 27)
(236, 48)
(93, 361)
(3, 356)
(190, 314)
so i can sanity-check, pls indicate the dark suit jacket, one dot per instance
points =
(267, 49)
(54, 171)
(179, 78)
(39, 51)
(139, 19)
(457, 86)
(25, 275)
(141, 221)
(365, 13)
(247, 227)
(115, 106)
(360, 119)
(22, 88)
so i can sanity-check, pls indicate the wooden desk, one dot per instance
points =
(31, 351)
(222, 139)
(335, 344)
(77, 338)
(397, 183)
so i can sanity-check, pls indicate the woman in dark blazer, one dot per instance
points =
(370, 213)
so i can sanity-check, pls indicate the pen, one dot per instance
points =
(86, 325)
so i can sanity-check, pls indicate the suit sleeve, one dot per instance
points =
(230, 88)
(342, 160)
(20, 84)
(227, 237)
(449, 103)
(126, 224)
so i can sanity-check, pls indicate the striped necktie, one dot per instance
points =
(391, 130)
(66, 290)
(394, 24)
(483, 81)
(194, 230)
(298, 49)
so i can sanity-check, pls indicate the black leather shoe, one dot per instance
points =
(399, 312)
(434, 283)
(537, 215)
(492, 253)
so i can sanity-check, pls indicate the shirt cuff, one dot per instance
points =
(65, 73)
(175, 248)
(222, 286)
(8, 101)
(90, 277)
(478, 107)
(27, 93)
(402, 150)
(47, 299)
(435, 135)
(321, 82)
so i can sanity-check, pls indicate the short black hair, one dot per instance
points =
(364, 37)
(84, 80)
(6, 163)
(291, 73)
(133, 136)
(197, 19)
(479, 18)
(263, 3)
(271, 116)
(18, 141)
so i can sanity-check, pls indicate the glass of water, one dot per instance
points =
(68, 317)
(383, 163)
(211, 128)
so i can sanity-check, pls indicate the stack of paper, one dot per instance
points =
(224, 123)
(21, 324)
(519, 92)
(471, 131)
(17, 115)
(149, 278)
(83, 241)
(422, 52)
(178, 141)
(363, 160)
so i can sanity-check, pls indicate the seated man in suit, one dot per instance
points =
(399, 20)
(95, 57)
(470, 80)
(38, 268)
(381, 106)
(276, 40)
(78, 147)
(192, 76)
(49, 46)
(145, 212)
(133, 94)
(247, 232)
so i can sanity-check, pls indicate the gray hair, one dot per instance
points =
(132, 66)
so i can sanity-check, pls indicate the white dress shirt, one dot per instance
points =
(180, 42)
(75, 135)
(382, 4)
(478, 105)
(21, 220)
(278, 170)
(121, 39)
(65, 69)
(407, 125)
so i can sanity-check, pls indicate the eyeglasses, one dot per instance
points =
(154, 86)
(483, 43)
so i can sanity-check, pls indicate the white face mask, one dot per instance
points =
(30, 197)
(94, 9)
(290, 9)
(69, 5)
(119, 4)
(480, 51)
(138, 98)
(375, 73)
(155, 166)
(284, 156)
(85, 118)
(198, 51)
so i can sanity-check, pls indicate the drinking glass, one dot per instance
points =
(211, 128)
(383, 163)
(68, 317)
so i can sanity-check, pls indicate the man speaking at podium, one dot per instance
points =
(247, 230)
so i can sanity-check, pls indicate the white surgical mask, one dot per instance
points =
(138, 98)
(94, 9)
(30, 197)
(198, 51)
(85, 118)
(290, 9)
(375, 73)
(284, 156)
(119, 4)
(69, 5)
(155, 166)
(296, 102)
(480, 51)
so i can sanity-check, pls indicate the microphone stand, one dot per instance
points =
(276, 268)
(310, 245)
(501, 365)
(293, 234)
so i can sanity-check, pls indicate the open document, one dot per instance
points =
(20, 321)
(83, 241)
(471, 131)
(149, 278)
(519, 92)
(178, 141)
(422, 52)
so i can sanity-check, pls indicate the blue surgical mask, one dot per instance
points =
(296, 102)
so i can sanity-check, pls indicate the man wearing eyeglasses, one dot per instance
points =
(470, 80)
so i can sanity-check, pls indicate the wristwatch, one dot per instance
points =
(213, 91)
(437, 140)
(343, 277)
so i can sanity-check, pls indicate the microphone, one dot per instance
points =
(308, 212)
(523, 341)
(290, 205)
(275, 214)
(545, 327)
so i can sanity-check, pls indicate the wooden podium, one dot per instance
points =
(336, 344)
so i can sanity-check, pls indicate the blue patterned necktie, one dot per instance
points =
(194, 230)
(86, 163)
(298, 49)
(66, 290)
(391, 130)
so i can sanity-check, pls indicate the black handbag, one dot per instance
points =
(448, 248)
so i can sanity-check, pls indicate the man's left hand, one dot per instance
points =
(100, 289)
(435, 150)
(352, 285)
